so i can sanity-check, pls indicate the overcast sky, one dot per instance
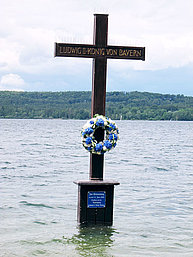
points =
(29, 28)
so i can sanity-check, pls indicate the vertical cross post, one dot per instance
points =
(99, 89)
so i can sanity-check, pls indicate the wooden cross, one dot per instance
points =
(100, 52)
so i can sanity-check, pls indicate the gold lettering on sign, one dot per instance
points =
(84, 50)
(95, 51)
(90, 51)
(73, 51)
(139, 53)
(130, 53)
(100, 51)
(112, 52)
(70, 50)
(123, 52)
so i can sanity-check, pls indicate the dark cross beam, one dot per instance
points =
(99, 51)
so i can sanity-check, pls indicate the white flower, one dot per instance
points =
(100, 117)
(85, 126)
(94, 119)
(104, 148)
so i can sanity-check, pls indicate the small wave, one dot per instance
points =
(36, 176)
(23, 242)
(6, 177)
(40, 222)
(7, 207)
(8, 168)
(36, 204)
(40, 185)
(22, 166)
(25, 195)
(124, 160)
(137, 164)
(48, 145)
(161, 169)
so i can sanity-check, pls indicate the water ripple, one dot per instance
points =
(36, 204)
(153, 208)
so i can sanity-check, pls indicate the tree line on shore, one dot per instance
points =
(77, 105)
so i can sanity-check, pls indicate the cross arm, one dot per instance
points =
(92, 51)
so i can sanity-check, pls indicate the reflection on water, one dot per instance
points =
(93, 241)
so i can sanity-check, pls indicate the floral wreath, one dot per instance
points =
(110, 135)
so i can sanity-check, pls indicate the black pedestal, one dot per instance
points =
(95, 201)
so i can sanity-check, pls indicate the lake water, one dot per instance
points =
(153, 207)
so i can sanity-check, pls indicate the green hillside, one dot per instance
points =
(77, 105)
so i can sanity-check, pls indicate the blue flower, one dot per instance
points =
(98, 147)
(100, 123)
(109, 128)
(88, 140)
(112, 126)
(91, 122)
(113, 137)
(88, 131)
(108, 144)
(89, 148)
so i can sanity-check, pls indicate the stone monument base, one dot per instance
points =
(95, 201)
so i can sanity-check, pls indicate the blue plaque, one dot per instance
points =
(96, 199)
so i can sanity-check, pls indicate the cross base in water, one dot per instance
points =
(95, 201)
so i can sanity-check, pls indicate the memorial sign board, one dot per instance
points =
(91, 51)
(96, 199)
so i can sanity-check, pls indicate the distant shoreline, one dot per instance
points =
(76, 105)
